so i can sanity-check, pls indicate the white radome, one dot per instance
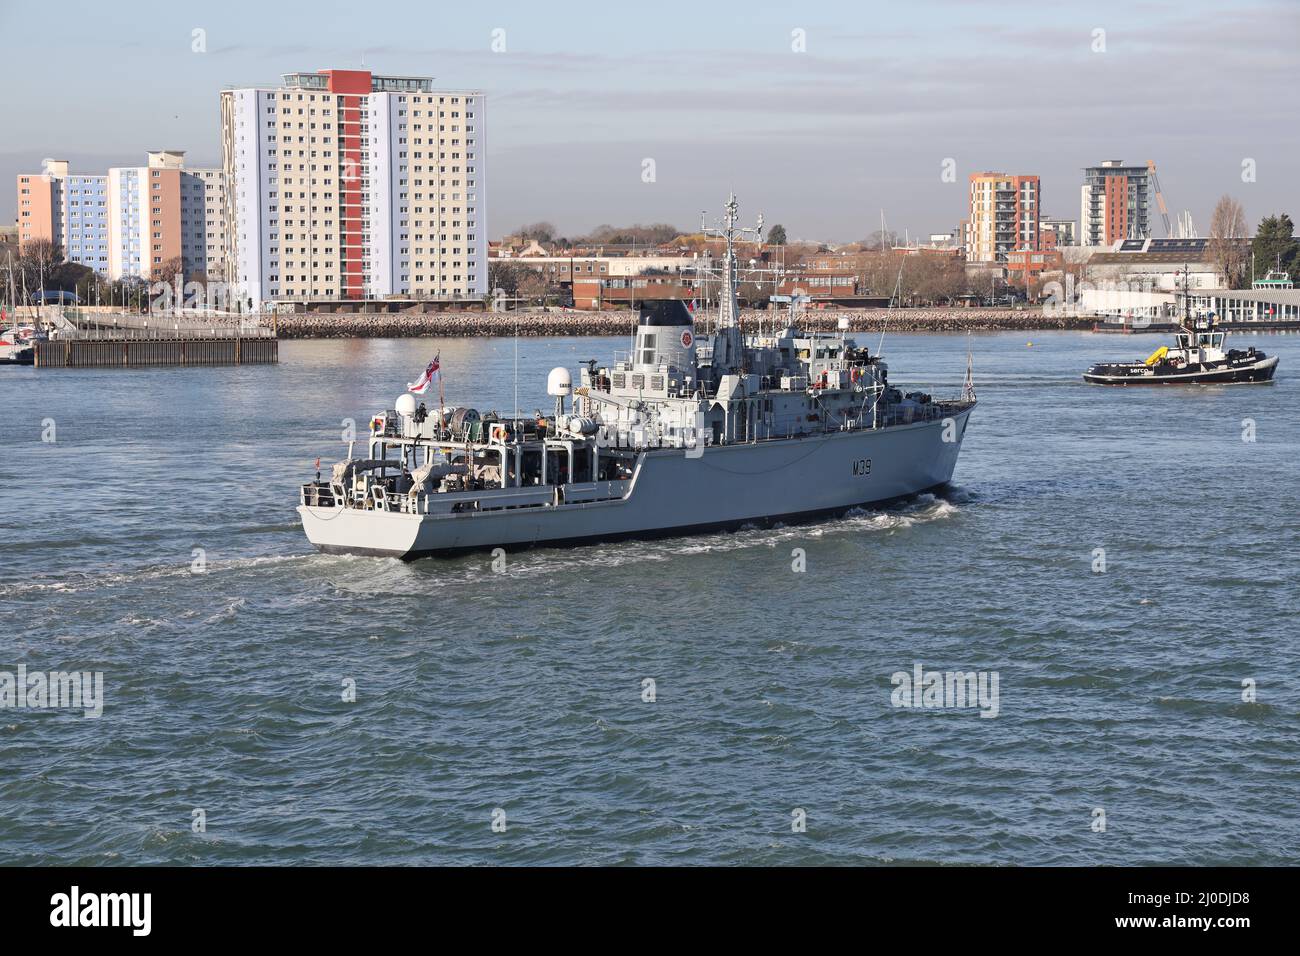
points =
(405, 405)
(559, 383)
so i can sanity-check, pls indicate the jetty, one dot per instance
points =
(95, 339)
(131, 353)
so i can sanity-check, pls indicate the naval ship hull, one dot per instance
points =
(670, 494)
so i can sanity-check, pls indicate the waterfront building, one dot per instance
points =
(1024, 266)
(562, 268)
(163, 212)
(1115, 203)
(1145, 278)
(625, 291)
(344, 184)
(1267, 305)
(820, 285)
(68, 209)
(1004, 216)
(1055, 233)
(131, 221)
(1160, 264)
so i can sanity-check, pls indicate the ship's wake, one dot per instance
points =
(76, 581)
(921, 510)
(348, 573)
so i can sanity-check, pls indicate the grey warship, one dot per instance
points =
(692, 432)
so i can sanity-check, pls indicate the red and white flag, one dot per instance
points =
(421, 385)
(692, 306)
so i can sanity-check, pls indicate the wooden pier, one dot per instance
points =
(137, 352)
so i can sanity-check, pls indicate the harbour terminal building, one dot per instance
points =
(348, 186)
(1264, 304)
(132, 221)
(1138, 279)
(1147, 279)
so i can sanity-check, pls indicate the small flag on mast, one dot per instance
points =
(421, 385)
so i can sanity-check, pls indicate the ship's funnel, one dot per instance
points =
(665, 335)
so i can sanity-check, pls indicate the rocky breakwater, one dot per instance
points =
(465, 324)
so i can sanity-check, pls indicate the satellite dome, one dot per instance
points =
(559, 382)
(405, 405)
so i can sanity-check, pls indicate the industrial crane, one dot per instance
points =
(1160, 199)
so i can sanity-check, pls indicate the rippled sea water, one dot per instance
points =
(522, 690)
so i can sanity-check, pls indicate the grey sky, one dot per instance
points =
(820, 140)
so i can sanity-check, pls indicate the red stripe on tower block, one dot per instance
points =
(350, 197)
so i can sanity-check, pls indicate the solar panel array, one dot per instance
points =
(1188, 246)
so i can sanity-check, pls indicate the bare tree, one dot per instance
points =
(541, 231)
(36, 262)
(1227, 230)
(168, 271)
(881, 240)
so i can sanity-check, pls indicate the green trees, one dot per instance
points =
(1275, 245)
(776, 235)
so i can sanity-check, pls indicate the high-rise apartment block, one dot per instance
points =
(1004, 214)
(133, 221)
(348, 185)
(67, 209)
(1115, 203)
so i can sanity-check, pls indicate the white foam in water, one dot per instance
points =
(923, 510)
(380, 576)
(87, 581)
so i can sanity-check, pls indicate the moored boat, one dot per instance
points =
(18, 345)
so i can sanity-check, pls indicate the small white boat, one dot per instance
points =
(18, 345)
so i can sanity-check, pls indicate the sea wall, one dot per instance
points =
(451, 324)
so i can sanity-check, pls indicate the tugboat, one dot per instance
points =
(693, 431)
(1196, 358)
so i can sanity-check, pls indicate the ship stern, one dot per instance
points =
(358, 531)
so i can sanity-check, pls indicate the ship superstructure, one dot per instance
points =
(688, 432)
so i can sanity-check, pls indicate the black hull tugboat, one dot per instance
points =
(1196, 358)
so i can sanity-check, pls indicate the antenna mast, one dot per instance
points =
(729, 311)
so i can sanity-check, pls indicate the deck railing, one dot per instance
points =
(377, 497)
